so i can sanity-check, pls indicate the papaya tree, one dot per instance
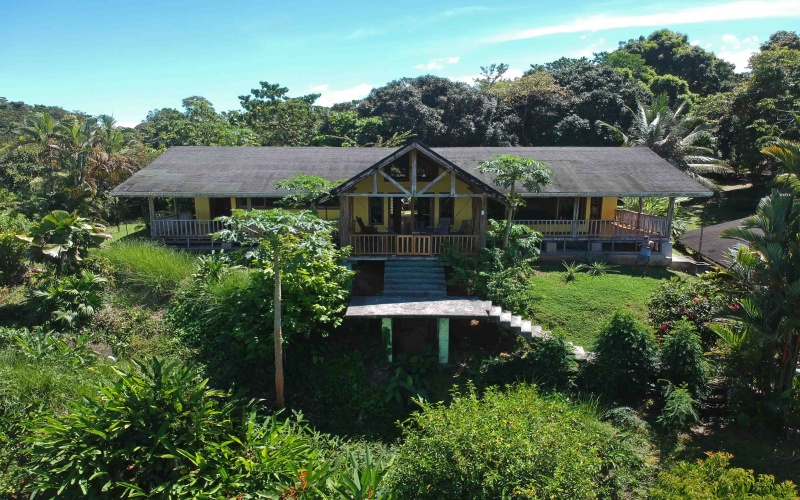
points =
(507, 171)
(292, 251)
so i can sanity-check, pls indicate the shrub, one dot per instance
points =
(12, 259)
(712, 478)
(626, 356)
(696, 300)
(548, 362)
(163, 433)
(155, 270)
(71, 300)
(681, 359)
(571, 271)
(678, 413)
(515, 444)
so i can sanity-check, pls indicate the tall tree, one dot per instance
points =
(662, 129)
(507, 171)
(280, 120)
(290, 243)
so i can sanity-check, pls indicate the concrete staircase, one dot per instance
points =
(516, 324)
(414, 278)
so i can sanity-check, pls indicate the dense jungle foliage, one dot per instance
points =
(131, 369)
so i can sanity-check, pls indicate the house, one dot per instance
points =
(708, 245)
(409, 202)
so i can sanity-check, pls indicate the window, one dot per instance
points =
(376, 211)
(446, 208)
(426, 171)
(242, 203)
(399, 169)
(260, 203)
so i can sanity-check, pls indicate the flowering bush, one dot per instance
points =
(695, 300)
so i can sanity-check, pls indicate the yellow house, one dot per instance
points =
(411, 201)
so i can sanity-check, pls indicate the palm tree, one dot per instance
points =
(663, 130)
(41, 131)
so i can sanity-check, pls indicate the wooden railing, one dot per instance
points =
(177, 229)
(624, 226)
(409, 245)
(647, 224)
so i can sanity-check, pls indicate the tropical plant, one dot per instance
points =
(70, 300)
(12, 254)
(571, 271)
(547, 362)
(305, 190)
(287, 244)
(507, 171)
(163, 433)
(156, 270)
(63, 239)
(697, 300)
(598, 268)
(662, 129)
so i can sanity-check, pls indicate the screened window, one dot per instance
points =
(376, 211)
(398, 170)
(446, 208)
(242, 203)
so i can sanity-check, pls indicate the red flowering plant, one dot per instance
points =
(694, 299)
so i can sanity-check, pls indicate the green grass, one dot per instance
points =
(127, 231)
(576, 310)
(156, 270)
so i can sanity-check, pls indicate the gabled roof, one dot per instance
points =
(468, 177)
(189, 171)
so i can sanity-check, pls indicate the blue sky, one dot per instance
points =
(126, 58)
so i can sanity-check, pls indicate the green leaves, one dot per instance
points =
(62, 238)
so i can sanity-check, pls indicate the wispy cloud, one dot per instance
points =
(469, 9)
(510, 74)
(330, 97)
(438, 63)
(598, 45)
(727, 11)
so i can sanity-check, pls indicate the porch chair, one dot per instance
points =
(365, 229)
(463, 228)
(444, 226)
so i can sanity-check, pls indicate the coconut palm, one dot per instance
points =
(41, 132)
(663, 130)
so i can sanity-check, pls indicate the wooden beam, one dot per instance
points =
(430, 185)
(389, 178)
(152, 206)
(639, 215)
(413, 155)
(345, 218)
(670, 215)
(444, 340)
(452, 183)
(374, 183)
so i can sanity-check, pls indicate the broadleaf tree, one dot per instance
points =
(289, 243)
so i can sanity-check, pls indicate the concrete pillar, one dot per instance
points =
(386, 332)
(444, 340)
(151, 205)
(550, 247)
(597, 246)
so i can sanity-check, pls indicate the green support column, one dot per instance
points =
(444, 340)
(386, 330)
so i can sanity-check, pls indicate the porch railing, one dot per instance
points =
(411, 245)
(182, 229)
(624, 226)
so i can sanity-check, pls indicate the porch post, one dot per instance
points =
(386, 332)
(152, 206)
(575, 210)
(483, 220)
(413, 155)
(666, 242)
(444, 340)
(175, 205)
(639, 215)
(345, 216)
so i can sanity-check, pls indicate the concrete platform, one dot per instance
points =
(417, 307)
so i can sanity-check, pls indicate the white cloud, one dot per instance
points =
(330, 97)
(598, 45)
(124, 124)
(729, 11)
(438, 63)
(738, 51)
(694, 43)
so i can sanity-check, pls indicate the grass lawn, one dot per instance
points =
(129, 230)
(576, 310)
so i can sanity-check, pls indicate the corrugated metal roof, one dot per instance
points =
(187, 171)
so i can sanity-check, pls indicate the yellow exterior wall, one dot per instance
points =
(202, 209)
(608, 211)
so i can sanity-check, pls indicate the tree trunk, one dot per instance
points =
(278, 333)
(509, 217)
